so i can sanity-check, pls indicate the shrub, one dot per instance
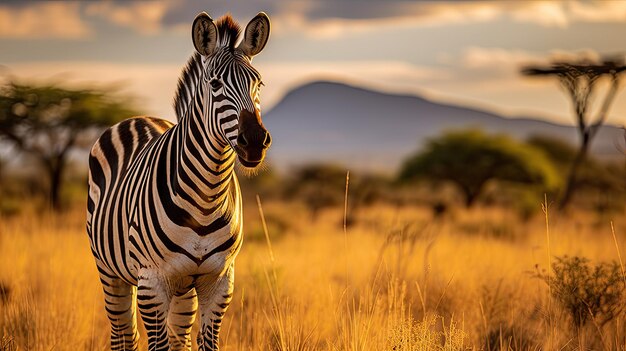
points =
(411, 335)
(510, 336)
(587, 292)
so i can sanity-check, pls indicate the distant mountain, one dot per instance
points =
(364, 129)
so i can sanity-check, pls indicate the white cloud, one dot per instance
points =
(412, 15)
(69, 20)
(498, 62)
(144, 17)
(419, 14)
(43, 20)
(496, 58)
(564, 13)
(546, 13)
(599, 11)
(581, 55)
(479, 65)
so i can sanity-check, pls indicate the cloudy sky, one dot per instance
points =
(465, 52)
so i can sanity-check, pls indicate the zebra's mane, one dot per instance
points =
(187, 83)
(228, 32)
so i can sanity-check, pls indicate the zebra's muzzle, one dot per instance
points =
(253, 139)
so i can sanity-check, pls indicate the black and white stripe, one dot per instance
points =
(164, 213)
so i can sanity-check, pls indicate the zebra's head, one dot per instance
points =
(232, 85)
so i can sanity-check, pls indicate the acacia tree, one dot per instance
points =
(470, 159)
(580, 82)
(47, 121)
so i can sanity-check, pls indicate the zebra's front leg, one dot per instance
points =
(120, 307)
(153, 300)
(180, 320)
(214, 298)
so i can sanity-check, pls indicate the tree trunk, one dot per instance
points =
(55, 175)
(472, 191)
(570, 186)
(470, 199)
(56, 167)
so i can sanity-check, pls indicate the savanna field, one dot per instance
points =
(398, 278)
(430, 175)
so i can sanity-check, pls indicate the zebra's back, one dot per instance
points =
(112, 160)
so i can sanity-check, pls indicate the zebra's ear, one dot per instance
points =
(204, 34)
(256, 35)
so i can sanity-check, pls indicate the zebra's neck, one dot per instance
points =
(203, 161)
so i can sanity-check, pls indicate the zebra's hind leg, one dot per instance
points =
(214, 298)
(180, 320)
(120, 304)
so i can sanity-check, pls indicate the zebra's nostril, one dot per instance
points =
(268, 140)
(241, 140)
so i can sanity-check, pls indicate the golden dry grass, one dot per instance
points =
(398, 280)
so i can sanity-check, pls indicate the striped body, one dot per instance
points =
(138, 219)
(164, 208)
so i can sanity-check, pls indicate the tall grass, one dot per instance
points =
(464, 282)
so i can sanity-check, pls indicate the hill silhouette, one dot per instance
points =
(364, 129)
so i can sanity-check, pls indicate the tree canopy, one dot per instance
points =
(47, 121)
(471, 158)
(559, 151)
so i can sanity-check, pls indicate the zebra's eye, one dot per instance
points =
(259, 86)
(215, 84)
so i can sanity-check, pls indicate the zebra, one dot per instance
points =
(164, 209)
